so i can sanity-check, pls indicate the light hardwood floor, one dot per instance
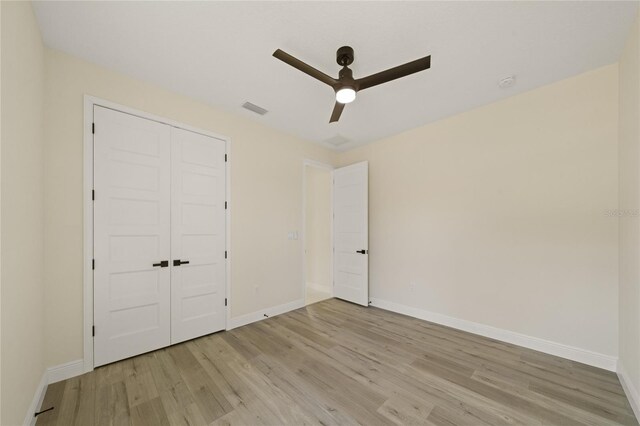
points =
(338, 363)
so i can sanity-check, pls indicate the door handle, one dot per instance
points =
(179, 262)
(162, 264)
(361, 251)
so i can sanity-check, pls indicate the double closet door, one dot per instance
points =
(159, 235)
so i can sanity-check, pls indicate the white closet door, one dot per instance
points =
(198, 232)
(131, 234)
(351, 233)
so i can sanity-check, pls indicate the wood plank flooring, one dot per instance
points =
(337, 363)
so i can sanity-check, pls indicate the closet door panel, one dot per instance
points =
(198, 229)
(131, 234)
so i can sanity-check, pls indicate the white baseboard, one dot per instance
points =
(260, 315)
(629, 389)
(65, 371)
(584, 356)
(36, 403)
(51, 375)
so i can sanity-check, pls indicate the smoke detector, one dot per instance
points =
(507, 82)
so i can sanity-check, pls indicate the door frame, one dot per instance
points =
(303, 238)
(87, 204)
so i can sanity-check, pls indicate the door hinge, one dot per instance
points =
(93, 264)
(225, 301)
(93, 128)
(93, 330)
(225, 254)
(93, 194)
(225, 158)
(225, 205)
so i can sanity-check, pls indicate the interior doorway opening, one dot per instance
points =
(318, 233)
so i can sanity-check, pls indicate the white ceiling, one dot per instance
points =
(220, 53)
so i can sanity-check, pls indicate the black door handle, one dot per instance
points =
(162, 264)
(179, 262)
(361, 251)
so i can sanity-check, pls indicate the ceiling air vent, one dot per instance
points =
(254, 108)
(337, 140)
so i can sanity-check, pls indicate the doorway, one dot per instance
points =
(318, 232)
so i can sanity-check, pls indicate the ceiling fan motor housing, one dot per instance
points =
(344, 56)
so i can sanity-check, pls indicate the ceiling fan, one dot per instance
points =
(346, 86)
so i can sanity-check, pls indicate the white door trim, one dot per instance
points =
(87, 187)
(318, 164)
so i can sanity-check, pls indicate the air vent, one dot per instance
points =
(337, 140)
(254, 108)
(507, 82)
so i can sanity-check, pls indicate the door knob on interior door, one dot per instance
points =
(361, 251)
(179, 262)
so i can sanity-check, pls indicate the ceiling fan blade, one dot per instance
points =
(307, 69)
(394, 73)
(337, 111)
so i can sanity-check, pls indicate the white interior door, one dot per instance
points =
(351, 233)
(198, 232)
(131, 235)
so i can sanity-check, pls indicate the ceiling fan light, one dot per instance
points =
(345, 95)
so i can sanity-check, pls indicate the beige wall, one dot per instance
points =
(318, 227)
(21, 254)
(0, 218)
(497, 215)
(266, 191)
(629, 87)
